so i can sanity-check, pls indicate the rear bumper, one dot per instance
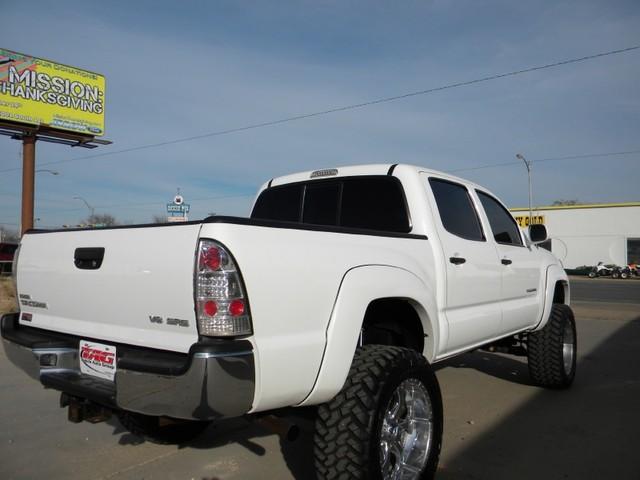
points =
(216, 379)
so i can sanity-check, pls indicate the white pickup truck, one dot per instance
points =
(341, 290)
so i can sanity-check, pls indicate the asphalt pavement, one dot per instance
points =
(497, 425)
(603, 289)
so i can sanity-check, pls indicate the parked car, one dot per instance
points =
(7, 251)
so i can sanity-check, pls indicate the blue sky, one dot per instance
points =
(178, 69)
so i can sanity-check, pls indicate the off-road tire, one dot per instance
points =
(551, 365)
(348, 428)
(160, 430)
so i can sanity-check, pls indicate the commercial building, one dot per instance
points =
(588, 234)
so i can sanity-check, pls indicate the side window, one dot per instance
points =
(279, 203)
(374, 203)
(504, 227)
(456, 209)
(321, 204)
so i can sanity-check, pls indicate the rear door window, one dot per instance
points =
(374, 203)
(456, 209)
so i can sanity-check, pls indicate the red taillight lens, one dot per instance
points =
(222, 307)
(236, 308)
(210, 308)
(211, 259)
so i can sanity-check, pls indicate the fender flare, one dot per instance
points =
(359, 287)
(555, 274)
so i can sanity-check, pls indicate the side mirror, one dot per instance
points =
(537, 233)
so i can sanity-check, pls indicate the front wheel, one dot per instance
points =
(591, 274)
(552, 351)
(386, 422)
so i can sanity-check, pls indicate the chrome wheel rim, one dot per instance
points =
(568, 348)
(407, 432)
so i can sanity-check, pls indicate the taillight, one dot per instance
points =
(221, 303)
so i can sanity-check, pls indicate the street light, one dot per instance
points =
(52, 172)
(527, 163)
(91, 209)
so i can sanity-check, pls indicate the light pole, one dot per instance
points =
(91, 209)
(527, 163)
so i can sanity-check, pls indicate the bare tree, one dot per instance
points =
(558, 203)
(102, 219)
(9, 236)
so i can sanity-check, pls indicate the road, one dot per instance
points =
(497, 426)
(605, 290)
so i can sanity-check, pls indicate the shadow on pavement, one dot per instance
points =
(504, 367)
(587, 432)
(298, 454)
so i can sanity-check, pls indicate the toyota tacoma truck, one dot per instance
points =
(341, 290)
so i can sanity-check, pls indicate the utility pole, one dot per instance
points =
(527, 163)
(28, 180)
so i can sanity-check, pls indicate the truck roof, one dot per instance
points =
(357, 170)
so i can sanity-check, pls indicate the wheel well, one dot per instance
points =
(559, 294)
(393, 321)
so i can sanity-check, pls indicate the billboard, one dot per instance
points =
(44, 93)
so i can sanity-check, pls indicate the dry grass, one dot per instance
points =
(7, 296)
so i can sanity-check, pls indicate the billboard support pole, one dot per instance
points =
(28, 180)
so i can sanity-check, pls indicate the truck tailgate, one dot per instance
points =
(140, 294)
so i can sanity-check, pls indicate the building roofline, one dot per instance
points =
(577, 207)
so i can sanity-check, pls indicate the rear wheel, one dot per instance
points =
(162, 430)
(386, 422)
(552, 350)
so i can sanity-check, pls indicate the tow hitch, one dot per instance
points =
(82, 409)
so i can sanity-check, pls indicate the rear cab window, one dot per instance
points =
(374, 203)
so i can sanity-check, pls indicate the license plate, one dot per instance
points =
(98, 360)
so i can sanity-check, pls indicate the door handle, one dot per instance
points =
(88, 258)
(457, 260)
(506, 261)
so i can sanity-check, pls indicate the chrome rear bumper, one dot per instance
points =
(215, 380)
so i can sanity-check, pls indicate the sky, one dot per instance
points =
(183, 69)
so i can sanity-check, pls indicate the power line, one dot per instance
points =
(551, 159)
(342, 108)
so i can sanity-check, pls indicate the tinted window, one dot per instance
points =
(456, 209)
(375, 203)
(504, 227)
(279, 203)
(372, 203)
(321, 204)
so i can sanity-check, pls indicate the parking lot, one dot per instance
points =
(497, 426)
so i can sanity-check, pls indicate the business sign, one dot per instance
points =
(523, 220)
(178, 210)
(40, 92)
